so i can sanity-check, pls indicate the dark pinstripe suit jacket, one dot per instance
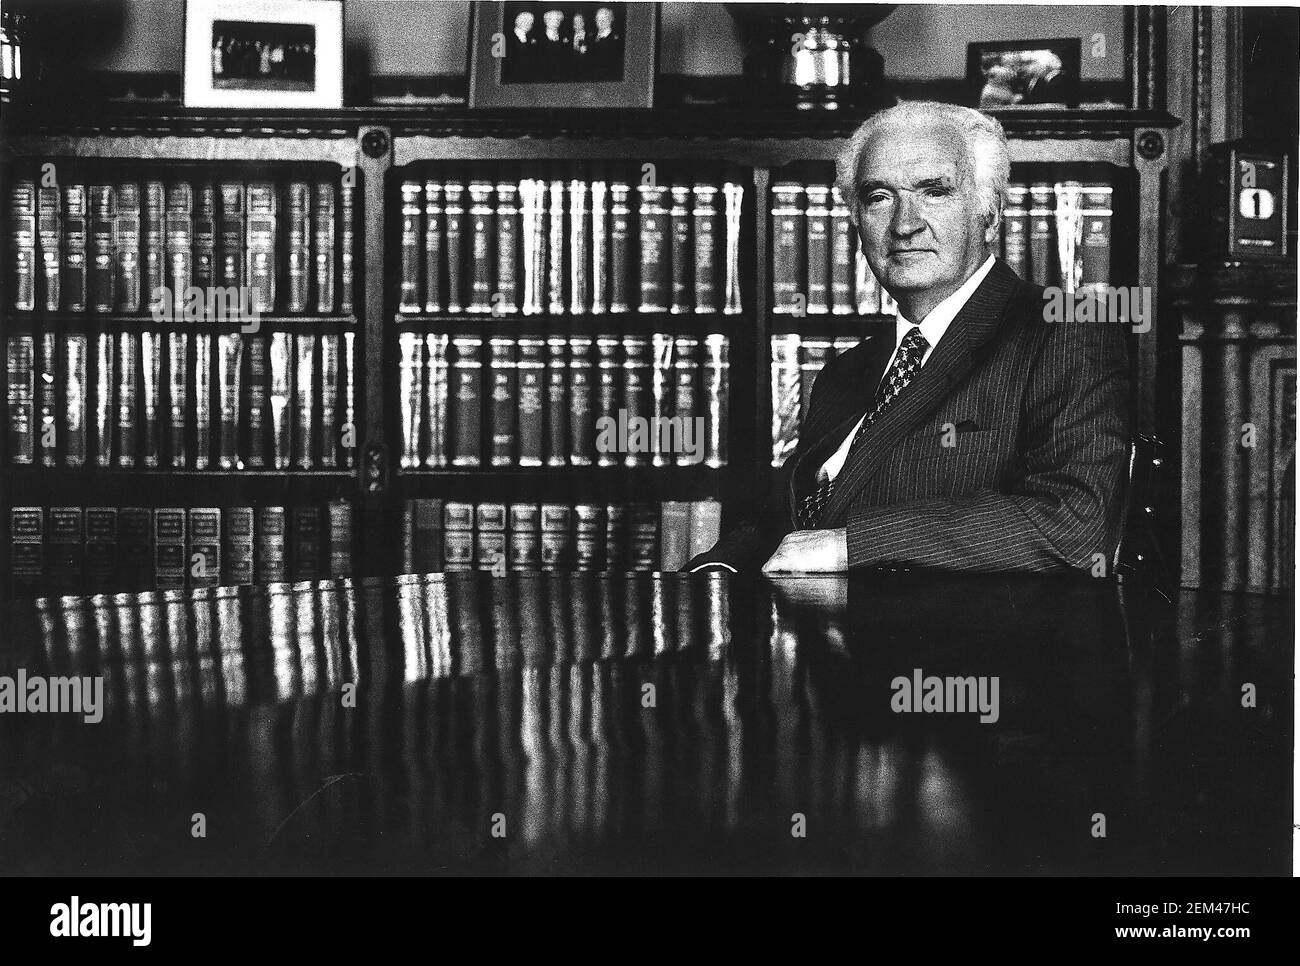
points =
(1037, 413)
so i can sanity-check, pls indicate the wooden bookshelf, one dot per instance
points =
(378, 143)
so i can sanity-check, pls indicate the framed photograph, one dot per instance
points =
(1024, 73)
(263, 53)
(563, 54)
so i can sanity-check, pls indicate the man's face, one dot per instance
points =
(553, 19)
(918, 215)
(604, 18)
(524, 22)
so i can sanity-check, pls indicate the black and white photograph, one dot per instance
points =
(1026, 73)
(563, 43)
(648, 440)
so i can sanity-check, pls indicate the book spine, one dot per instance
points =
(705, 527)
(785, 397)
(146, 229)
(817, 223)
(347, 232)
(75, 374)
(409, 292)
(304, 543)
(717, 396)
(599, 246)
(298, 276)
(66, 551)
(204, 559)
(663, 390)
(524, 538)
(579, 259)
(454, 222)
(340, 538)
(230, 350)
(180, 240)
(329, 401)
(436, 456)
(531, 374)
(557, 537)
(270, 556)
(608, 380)
(681, 258)
(260, 246)
(101, 278)
(637, 398)
(432, 245)
(705, 226)
(408, 394)
(48, 215)
(674, 535)
(617, 558)
(324, 247)
(490, 537)
(205, 237)
(1094, 268)
(202, 400)
(532, 241)
(505, 300)
(557, 402)
(151, 371)
(127, 349)
(789, 237)
(653, 234)
(231, 235)
(257, 416)
(588, 538)
(427, 539)
(467, 401)
(169, 548)
(581, 402)
(349, 399)
(237, 553)
(128, 264)
(73, 283)
(304, 386)
(481, 231)
(643, 537)
(867, 289)
(135, 549)
(555, 249)
(1041, 214)
(281, 380)
(734, 197)
(102, 565)
(47, 406)
(503, 420)
(620, 228)
(458, 537)
(686, 363)
(21, 373)
(842, 260)
(22, 245)
(27, 550)
(105, 398)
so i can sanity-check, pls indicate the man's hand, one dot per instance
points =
(810, 552)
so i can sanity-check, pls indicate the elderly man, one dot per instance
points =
(980, 437)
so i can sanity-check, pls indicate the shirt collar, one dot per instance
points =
(937, 322)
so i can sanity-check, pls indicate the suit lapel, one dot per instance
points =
(952, 359)
(845, 405)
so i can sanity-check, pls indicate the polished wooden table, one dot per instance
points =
(647, 724)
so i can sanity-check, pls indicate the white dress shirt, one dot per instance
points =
(933, 326)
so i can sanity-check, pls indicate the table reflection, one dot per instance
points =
(665, 723)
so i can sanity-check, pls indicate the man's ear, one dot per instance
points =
(994, 227)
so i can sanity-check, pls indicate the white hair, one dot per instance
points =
(986, 149)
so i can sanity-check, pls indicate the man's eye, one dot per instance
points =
(876, 197)
(937, 192)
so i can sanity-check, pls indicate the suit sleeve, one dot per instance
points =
(748, 545)
(1067, 505)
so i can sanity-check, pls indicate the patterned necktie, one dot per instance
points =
(907, 362)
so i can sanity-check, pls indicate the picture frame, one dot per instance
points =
(1033, 74)
(584, 55)
(263, 54)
